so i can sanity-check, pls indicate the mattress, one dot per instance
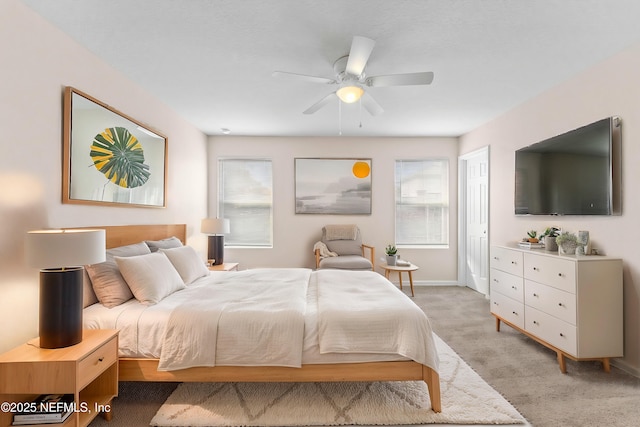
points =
(142, 327)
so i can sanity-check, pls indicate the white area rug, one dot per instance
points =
(466, 399)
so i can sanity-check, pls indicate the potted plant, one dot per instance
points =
(567, 243)
(549, 238)
(532, 236)
(392, 254)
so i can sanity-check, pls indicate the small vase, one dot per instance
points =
(550, 244)
(567, 249)
(391, 259)
(584, 243)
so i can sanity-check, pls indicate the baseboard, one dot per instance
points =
(624, 366)
(429, 282)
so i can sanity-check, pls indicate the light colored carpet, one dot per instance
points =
(466, 399)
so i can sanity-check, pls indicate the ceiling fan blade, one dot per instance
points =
(302, 77)
(423, 78)
(361, 48)
(318, 105)
(371, 105)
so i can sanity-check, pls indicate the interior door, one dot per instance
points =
(474, 221)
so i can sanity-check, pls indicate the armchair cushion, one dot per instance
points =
(346, 262)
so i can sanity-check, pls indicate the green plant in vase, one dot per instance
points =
(548, 236)
(567, 243)
(392, 254)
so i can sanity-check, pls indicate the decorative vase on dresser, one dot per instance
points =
(573, 305)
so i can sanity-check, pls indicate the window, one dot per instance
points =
(422, 202)
(245, 197)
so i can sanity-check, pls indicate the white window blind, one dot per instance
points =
(245, 197)
(422, 202)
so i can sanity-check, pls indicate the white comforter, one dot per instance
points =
(370, 299)
(362, 312)
(258, 313)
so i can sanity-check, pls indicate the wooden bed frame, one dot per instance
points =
(139, 369)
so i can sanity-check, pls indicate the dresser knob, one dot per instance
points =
(560, 304)
(513, 262)
(535, 295)
(535, 268)
(535, 322)
(514, 313)
(513, 287)
(101, 359)
(561, 334)
(559, 274)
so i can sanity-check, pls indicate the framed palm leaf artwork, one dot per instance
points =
(110, 158)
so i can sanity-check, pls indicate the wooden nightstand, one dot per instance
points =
(225, 266)
(88, 370)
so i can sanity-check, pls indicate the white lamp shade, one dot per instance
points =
(215, 226)
(65, 248)
(350, 94)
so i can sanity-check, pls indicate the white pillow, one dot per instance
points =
(150, 277)
(108, 284)
(186, 260)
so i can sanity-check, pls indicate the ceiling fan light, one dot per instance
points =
(350, 94)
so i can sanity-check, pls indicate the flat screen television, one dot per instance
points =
(576, 173)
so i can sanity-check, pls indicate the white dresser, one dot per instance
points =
(571, 304)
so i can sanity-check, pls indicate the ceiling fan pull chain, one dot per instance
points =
(339, 118)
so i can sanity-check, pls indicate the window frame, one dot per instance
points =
(445, 204)
(220, 202)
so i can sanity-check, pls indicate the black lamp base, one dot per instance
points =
(60, 307)
(216, 249)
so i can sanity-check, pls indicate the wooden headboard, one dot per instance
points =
(120, 235)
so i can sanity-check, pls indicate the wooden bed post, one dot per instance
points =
(432, 378)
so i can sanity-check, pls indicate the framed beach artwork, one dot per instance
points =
(333, 186)
(110, 158)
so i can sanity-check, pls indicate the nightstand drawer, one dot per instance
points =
(97, 361)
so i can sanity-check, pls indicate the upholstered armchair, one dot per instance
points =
(341, 248)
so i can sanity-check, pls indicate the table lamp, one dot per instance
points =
(215, 228)
(61, 255)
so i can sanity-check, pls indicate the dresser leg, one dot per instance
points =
(497, 324)
(562, 363)
(606, 365)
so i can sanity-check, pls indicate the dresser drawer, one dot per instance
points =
(553, 271)
(506, 260)
(550, 300)
(97, 361)
(510, 310)
(507, 284)
(556, 332)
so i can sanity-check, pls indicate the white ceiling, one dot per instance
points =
(211, 60)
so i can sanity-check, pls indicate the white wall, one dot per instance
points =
(610, 88)
(38, 61)
(294, 235)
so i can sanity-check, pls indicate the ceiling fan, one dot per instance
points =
(352, 81)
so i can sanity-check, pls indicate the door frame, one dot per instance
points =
(462, 209)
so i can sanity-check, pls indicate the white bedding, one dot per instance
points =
(142, 328)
